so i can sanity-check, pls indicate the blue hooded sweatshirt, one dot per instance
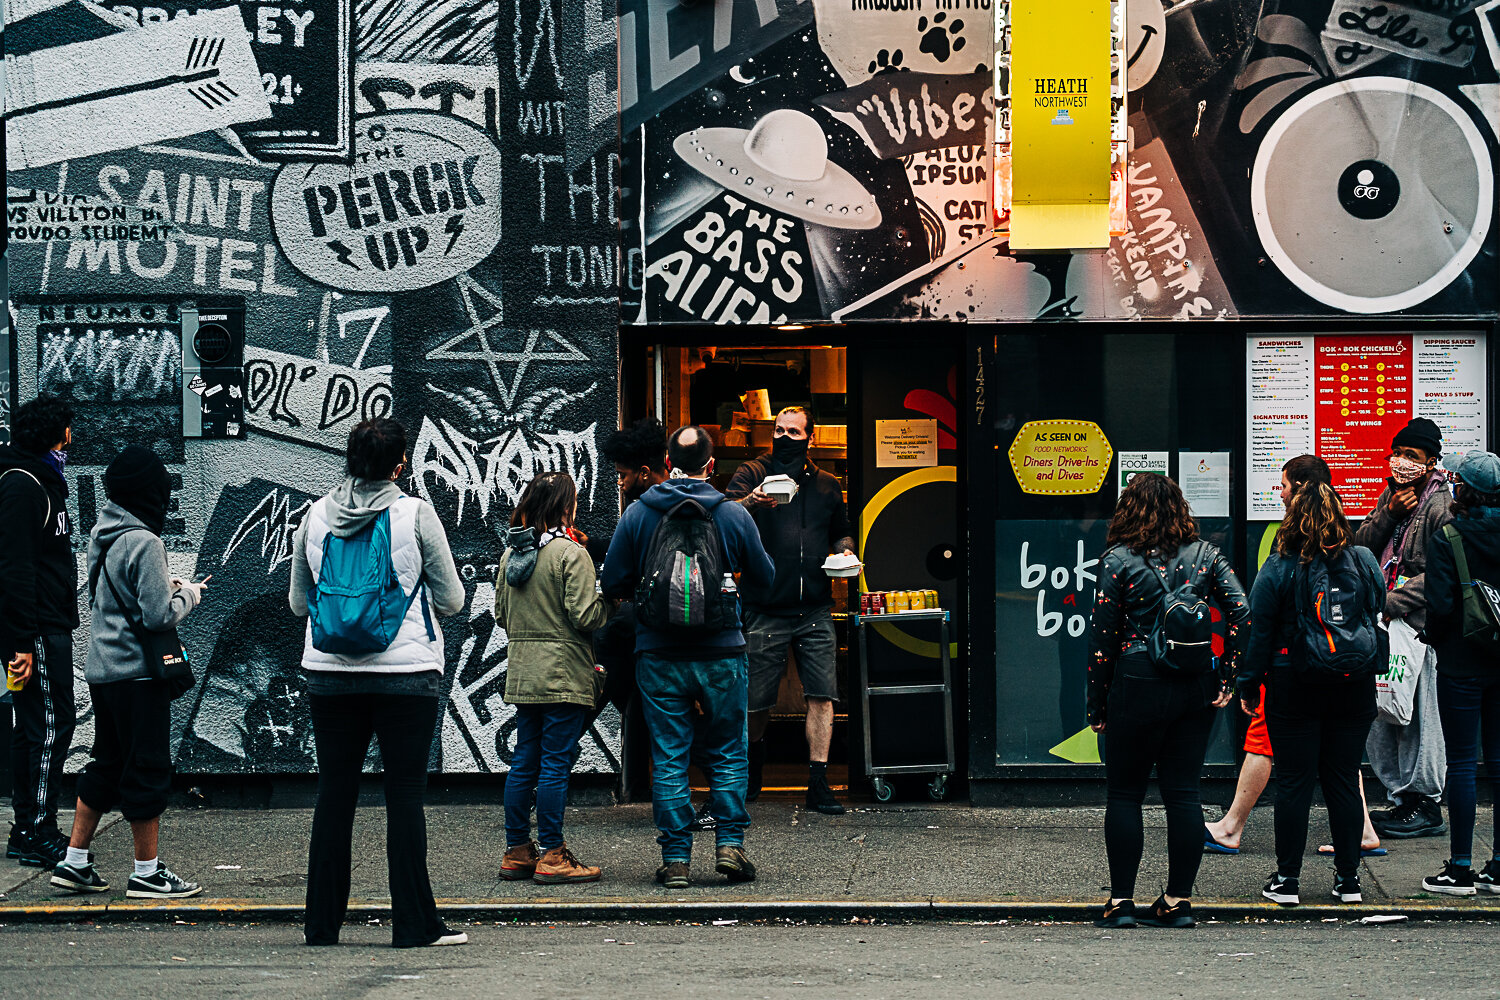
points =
(627, 550)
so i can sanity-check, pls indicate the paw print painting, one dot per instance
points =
(941, 38)
(874, 40)
(887, 61)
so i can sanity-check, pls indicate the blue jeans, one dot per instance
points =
(546, 737)
(668, 690)
(1470, 710)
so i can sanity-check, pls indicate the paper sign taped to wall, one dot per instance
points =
(906, 444)
(1133, 462)
(1204, 478)
(167, 80)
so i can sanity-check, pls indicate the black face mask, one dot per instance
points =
(788, 454)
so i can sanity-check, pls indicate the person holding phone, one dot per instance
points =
(1409, 760)
(131, 592)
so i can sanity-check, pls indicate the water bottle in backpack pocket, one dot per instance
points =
(356, 607)
(681, 589)
(1181, 637)
(1337, 631)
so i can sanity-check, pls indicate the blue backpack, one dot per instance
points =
(357, 605)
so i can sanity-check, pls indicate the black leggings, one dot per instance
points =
(343, 726)
(1163, 722)
(1318, 734)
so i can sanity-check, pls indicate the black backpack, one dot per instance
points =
(681, 590)
(1337, 634)
(1181, 639)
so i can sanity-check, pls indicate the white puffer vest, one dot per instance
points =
(411, 652)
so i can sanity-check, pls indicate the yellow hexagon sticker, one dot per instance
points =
(1061, 457)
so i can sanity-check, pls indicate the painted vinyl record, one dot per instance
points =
(1373, 194)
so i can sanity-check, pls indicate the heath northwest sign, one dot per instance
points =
(417, 207)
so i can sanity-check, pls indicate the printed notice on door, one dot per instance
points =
(906, 444)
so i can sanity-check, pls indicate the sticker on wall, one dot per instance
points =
(1060, 457)
(1363, 220)
(417, 207)
(165, 81)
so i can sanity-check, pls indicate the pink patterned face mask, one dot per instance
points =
(1404, 470)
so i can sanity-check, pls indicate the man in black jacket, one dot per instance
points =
(38, 613)
(795, 612)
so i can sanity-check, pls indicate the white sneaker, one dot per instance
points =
(452, 937)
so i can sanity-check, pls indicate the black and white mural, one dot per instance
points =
(385, 188)
(834, 162)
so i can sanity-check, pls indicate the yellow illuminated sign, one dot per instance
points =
(1060, 457)
(1060, 124)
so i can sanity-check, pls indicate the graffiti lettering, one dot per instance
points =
(277, 521)
(497, 470)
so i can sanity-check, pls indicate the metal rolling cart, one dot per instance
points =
(889, 693)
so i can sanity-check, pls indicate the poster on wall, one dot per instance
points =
(1344, 397)
(303, 49)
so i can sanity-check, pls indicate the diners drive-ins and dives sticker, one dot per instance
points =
(418, 206)
(1060, 457)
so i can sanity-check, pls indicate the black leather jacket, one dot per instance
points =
(1131, 587)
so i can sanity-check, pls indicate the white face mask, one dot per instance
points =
(1404, 470)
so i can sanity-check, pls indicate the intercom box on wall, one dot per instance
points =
(213, 371)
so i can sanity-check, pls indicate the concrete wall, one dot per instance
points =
(403, 234)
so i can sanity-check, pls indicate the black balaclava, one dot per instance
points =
(788, 455)
(137, 481)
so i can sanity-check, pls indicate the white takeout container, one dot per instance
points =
(842, 564)
(780, 488)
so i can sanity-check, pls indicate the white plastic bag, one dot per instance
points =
(1396, 689)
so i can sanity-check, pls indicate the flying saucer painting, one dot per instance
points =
(781, 163)
(1373, 194)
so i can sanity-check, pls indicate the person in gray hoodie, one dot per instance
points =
(130, 766)
(390, 694)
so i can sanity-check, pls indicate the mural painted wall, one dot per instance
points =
(829, 159)
(385, 188)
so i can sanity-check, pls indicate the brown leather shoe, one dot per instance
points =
(519, 862)
(559, 865)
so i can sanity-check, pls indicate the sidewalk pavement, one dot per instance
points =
(897, 863)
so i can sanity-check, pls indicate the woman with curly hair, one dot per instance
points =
(1152, 716)
(1317, 587)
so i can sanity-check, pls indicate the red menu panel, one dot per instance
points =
(1364, 397)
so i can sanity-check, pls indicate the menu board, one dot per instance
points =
(1344, 397)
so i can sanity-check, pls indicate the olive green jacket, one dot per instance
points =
(547, 621)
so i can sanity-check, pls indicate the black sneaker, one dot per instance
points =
(37, 850)
(732, 861)
(820, 798)
(1488, 880)
(703, 821)
(1122, 914)
(1455, 880)
(74, 879)
(673, 875)
(1282, 891)
(1346, 889)
(1417, 818)
(1162, 915)
(18, 845)
(160, 884)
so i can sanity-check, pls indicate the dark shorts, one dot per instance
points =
(130, 767)
(811, 640)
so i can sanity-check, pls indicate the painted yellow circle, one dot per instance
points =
(890, 491)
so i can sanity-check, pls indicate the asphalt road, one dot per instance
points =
(1421, 961)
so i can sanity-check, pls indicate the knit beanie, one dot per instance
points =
(137, 481)
(1420, 433)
